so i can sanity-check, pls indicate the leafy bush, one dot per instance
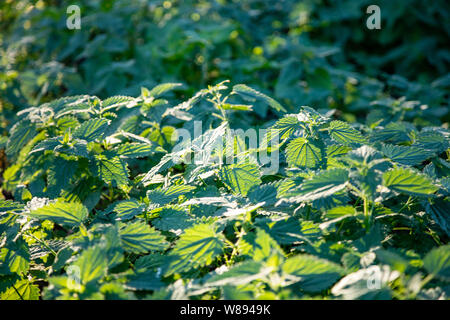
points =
(284, 150)
(108, 205)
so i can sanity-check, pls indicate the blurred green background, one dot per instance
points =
(314, 52)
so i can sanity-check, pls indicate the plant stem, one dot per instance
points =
(43, 243)
(366, 213)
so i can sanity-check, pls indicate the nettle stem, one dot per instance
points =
(367, 214)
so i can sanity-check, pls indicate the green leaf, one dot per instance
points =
(198, 246)
(126, 209)
(21, 133)
(173, 220)
(394, 132)
(251, 93)
(314, 274)
(70, 214)
(90, 266)
(14, 261)
(240, 177)
(284, 128)
(342, 132)
(9, 205)
(322, 185)
(409, 182)
(167, 195)
(22, 290)
(112, 171)
(236, 107)
(366, 284)
(290, 230)
(305, 153)
(440, 212)
(437, 262)
(91, 130)
(407, 155)
(239, 274)
(162, 88)
(144, 281)
(115, 102)
(166, 162)
(138, 237)
(77, 148)
(259, 246)
(432, 141)
(59, 176)
(135, 150)
(47, 144)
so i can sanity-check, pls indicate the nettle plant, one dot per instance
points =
(104, 202)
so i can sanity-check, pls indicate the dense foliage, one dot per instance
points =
(103, 199)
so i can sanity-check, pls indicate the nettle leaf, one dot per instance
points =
(289, 230)
(322, 185)
(437, 262)
(3, 142)
(314, 274)
(138, 237)
(47, 144)
(144, 281)
(236, 107)
(247, 92)
(169, 194)
(14, 260)
(72, 109)
(432, 141)
(283, 128)
(173, 219)
(240, 177)
(162, 88)
(198, 246)
(408, 181)
(166, 162)
(112, 171)
(394, 133)
(440, 212)
(91, 130)
(20, 134)
(305, 153)
(59, 175)
(265, 193)
(10, 206)
(239, 274)
(39, 250)
(115, 102)
(70, 214)
(407, 155)
(90, 266)
(77, 148)
(126, 209)
(259, 246)
(366, 284)
(343, 133)
(22, 290)
(134, 150)
(336, 150)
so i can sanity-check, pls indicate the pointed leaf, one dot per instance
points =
(64, 213)
(408, 181)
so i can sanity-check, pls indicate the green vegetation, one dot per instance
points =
(344, 195)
